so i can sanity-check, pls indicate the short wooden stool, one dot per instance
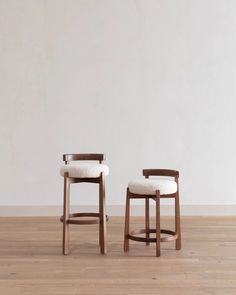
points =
(155, 188)
(77, 172)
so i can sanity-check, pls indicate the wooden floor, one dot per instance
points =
(31, 262)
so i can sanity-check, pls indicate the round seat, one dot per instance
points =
(84, 170)
(150, 186)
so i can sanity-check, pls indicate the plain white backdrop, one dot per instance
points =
(150, 83)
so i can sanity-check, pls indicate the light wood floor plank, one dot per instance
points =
(31, 260)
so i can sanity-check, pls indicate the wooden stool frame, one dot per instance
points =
(172, 235)
(101, 217)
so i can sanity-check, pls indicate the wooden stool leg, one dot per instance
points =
(65, 246)
(127, 217)
(158, 225)
(147, 219)
(177, 222)
(100, 242)
(102, 224)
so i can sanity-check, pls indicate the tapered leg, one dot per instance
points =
(102, 225)
(177, 222)
(100, 235)
(147, 219)
(127, 217)
(65, 246)
(158, 225)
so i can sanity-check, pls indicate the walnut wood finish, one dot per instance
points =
(160, 172)
(133, 235)
(173, 236)
(66, 214)
(147, 219)
(127, 221)
(71, 219)
(158, 225)
(102, 225)
(177, 218)
(68, 218)
(83, 157)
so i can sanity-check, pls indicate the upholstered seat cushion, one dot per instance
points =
(150, 186)
(84, 170)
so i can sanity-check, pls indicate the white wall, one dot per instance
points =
(149, 83)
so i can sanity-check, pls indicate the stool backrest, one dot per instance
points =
(83, 157)
(161, 172)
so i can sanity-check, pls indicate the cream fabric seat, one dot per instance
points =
(84, 170)
(150, 186)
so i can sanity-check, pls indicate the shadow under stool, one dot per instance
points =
(154, 188)
(75, 171)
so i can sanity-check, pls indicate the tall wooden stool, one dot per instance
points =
(77, 172)
(155, 188)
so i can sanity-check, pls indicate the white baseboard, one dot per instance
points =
(118, 210)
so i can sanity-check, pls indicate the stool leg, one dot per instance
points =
(177, 222)
(65, 246)
(158, 225)
(102, 224)
(147, 219)
(127, 217)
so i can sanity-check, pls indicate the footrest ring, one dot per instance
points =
(89, 221)
(132, 236)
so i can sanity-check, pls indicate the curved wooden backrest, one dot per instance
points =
(83, 157)
(160, 172)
